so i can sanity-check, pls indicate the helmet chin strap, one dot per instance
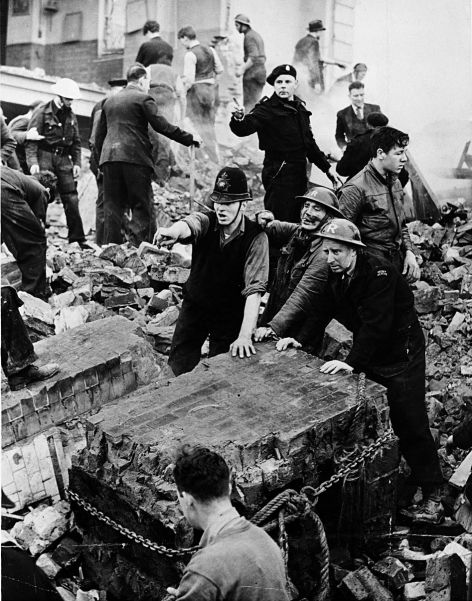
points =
(236, 216)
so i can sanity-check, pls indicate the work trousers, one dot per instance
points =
(194, 325)
(253, 83)
(128, 186)
(61, 166)
(17, 348)
(405, 384)
(283, 182)
(24, 235)
(201, 110)
(162, 154)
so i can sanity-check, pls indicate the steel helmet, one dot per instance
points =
(242, 19)
(67, 88)
(341, 230)
(324, 197)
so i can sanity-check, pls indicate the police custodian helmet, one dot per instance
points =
(230, 186)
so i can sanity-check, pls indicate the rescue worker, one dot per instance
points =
(351, 121)
(18, 356)
(155, 50)
(122, 139)
(236, 559)
(301, 270)
(7, 142)
(373, 200)
(282, 124)
(253, 69)
(307, 56)
(358, 73)
(60, 150)
(23, 212)
(371, 299)
(227, 279)
(19, 130)
(201, 68)
(115, 86)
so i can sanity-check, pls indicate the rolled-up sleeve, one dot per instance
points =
(198, 224)
(256, 267)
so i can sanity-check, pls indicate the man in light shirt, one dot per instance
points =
(201, 68)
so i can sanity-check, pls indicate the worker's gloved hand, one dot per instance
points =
(411, 269)
(263, 333)
(76, 171)
(242, 347)
(332, 367)
(334, 178)
(165, 236)
(284, 343)
(263, 218)
(32, 134)
(34, 169)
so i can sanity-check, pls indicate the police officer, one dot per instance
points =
(282, 124)
(228, 276)
(371, 299)
(60, 150)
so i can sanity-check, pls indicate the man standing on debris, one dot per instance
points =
(351, 121)
(371, 299)
(253, 68)
(307, 56)
(373, 200)
(228, 276)
(60, 150)
(122, 140)
(283, 126)
(115, 86)
(236, 559)
(201, 68)
(23, 212)
(301, 270)
(155, 50)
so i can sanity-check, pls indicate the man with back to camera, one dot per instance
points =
(227, 279)
(237, 561)
(282, 124)
(373, 200)
(253, 69)
(122, 140)
(155, 50)
(351, 121)
(307, 53)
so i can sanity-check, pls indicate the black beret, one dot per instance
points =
(281, 70)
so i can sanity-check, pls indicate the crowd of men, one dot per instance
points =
(320, 253)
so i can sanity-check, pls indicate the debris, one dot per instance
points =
(461, 474)
(48, 565)
(37, 315)
(445, 578)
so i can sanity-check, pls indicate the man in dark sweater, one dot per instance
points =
(228, 276)
(236, 560)
(282, 124)
(155, 50)
(253, 68)
(122, 141)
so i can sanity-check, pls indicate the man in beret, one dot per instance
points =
(253, 68)
(282, 124)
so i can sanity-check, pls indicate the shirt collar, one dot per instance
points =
(193, 44)
(223, 519)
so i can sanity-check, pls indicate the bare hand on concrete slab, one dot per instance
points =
(242, 347)
(263, 333)
(284, 343)
(332, 367)
(167, 236)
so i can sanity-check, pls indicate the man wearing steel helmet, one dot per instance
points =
(59, 151)
(253, 69)
(371, 299)
(228, 276)
(301, 270)
(283, 127)
(373, 200)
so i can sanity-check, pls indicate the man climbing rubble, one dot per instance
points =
(236, 560)
(371, 299)
(228, 276)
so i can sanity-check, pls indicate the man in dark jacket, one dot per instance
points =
(125, 157)
(23, 211)
(371, 299)
(228, 276)
(351, 121)
(253, 70)
(283, 126)
(307, 55)
(155, 50)
(19, 130)
(301, 270)
(373, 200)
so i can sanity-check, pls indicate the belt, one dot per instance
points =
(59, 150)
(162, 85)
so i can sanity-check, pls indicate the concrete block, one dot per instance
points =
(427, 299)
(375, 589)
(391, 572)
(353, 589)
(48, 565)
(414, 591)
(445, 578)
